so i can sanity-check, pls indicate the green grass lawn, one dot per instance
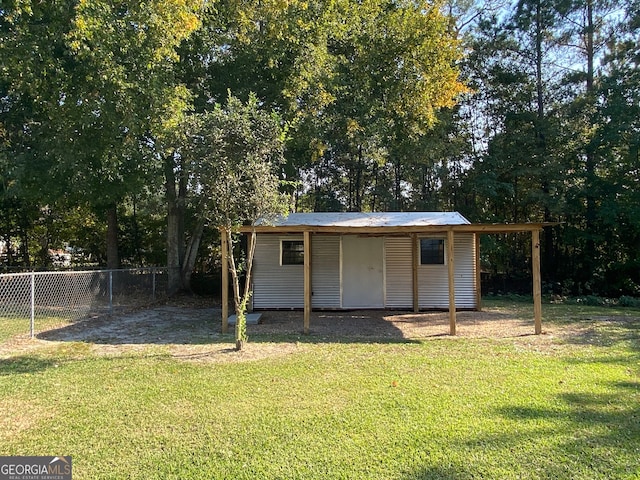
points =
(20, 325)
(443, 408)
(11, 326)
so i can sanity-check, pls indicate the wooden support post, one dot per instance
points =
(476, 237)
(225, 280)
(537, 283)
(415, 251)
(452, 286)
(307, 281)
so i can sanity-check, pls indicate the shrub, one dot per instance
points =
(589, 300)
(626, 301)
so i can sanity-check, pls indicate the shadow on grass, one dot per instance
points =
(598, 431)
(573, 434)
(24, 364)
(581, 436)
(445, 472)
(607, 332)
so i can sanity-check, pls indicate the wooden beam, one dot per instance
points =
(537, 282)
(307, 281)
(415, 255)
(225, 280)
(452, 286)
(476, 237)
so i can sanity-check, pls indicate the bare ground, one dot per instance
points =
(189, 329)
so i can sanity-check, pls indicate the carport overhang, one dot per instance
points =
(478, 229)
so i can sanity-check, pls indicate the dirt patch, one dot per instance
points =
(163, 325)
(190, 330)
(385, 324)
(227, 354)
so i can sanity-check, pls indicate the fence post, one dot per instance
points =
(110, 292)
(153, 271)
(33, 304)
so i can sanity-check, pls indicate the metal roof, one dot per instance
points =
(383, 223)
(361, 219)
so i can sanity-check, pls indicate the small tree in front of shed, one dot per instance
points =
(236, 150)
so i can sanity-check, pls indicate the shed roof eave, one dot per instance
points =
(390, 230)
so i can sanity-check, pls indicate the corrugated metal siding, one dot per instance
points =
(325, 271)
(275, 285)
(399, 276)
(433, 286)
(278, 286)
(465, 277)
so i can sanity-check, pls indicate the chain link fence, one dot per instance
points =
(32, 303)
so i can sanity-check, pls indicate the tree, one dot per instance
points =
(587, 29)
(395, 68)
(32, 77)
(616, 145)
(128, 55)
(88, 88)
(235, 152)
(348, 77)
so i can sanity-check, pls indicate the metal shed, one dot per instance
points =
(414, 260)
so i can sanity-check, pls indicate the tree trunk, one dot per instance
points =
(240, 330)
(7, 244)
(26, 260)
(181, 256)
(548, 260)
(240, 296)
(136, 233)
(539, 84)
(397, 184)
(174, 232)
(358, 183)
(590, 163)
(374, 190)
(191, 255)
(182, 207)
(113, 259)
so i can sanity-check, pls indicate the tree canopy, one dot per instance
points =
(524, 111)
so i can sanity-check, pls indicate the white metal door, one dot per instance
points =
(362, 272)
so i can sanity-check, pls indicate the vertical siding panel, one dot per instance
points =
(325, 271)
(465, 274)
(433, 286)
(275, 285)
(399, 273)
(433, 280)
